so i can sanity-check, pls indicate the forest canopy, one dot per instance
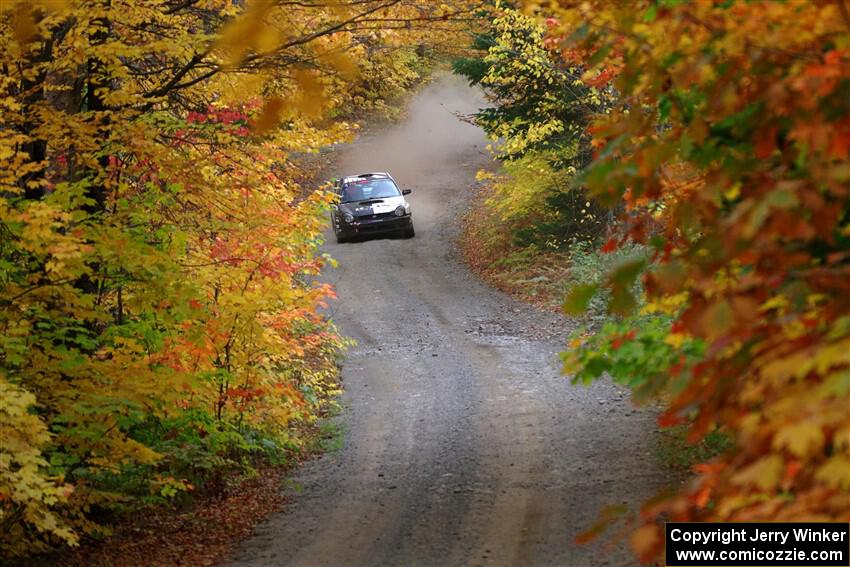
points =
(159, 238)
(727, 146)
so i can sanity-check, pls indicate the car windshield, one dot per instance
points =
(369, 189)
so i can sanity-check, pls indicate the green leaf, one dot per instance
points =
(627, 271)
(622, 302)
(599, 55)
(578, 298)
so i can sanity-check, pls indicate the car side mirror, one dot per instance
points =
(405, 191)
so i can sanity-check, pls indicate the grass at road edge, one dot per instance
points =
(528, 274)
(330, 434)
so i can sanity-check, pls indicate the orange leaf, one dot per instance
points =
(702, 497)
(646, 542)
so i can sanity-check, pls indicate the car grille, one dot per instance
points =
(375, 217)
(378, 223)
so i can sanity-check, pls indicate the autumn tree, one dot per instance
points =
(158, 299)
(540, 107)
(729, 144)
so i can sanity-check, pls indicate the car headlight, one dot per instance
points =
(349, 218)
(399, 211)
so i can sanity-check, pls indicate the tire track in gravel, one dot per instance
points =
(463, 443)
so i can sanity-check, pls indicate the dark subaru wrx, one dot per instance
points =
(371, 203)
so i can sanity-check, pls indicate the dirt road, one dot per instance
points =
(463, 445)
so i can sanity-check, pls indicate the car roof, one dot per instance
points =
(362, 176)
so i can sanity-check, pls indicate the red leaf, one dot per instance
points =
(840, 146)
(668, 419)
(610, 246)
(766, 142)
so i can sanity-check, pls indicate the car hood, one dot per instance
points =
(372, 206)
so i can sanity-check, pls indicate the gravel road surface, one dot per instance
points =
(463, 445)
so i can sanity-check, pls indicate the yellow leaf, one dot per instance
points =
(764, 473)
(717, 319)
(800, 439)
(23, 23)
(776, 302)
(267, 39)
(312, 94)
(835, 472)
(343, 63)
(833, 355)
(6, 152)
(270, 115)
(841, 439)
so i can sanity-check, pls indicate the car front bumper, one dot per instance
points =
(374, 226)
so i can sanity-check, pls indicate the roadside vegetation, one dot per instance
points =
(162, 338)
(683, 188)
(534, 231)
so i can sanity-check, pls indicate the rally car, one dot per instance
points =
(371, 203)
